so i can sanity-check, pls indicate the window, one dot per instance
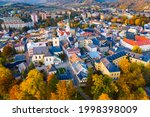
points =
(46, 59)
(35, 57)
(49, 59)
(39, 57)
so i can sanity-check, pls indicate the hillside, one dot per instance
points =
(134, 4)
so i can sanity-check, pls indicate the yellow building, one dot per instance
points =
(108, 68)
(139, 58)
(109, 65)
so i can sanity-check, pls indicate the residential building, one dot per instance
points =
(34, 17)
(142, 42)
(15, 22)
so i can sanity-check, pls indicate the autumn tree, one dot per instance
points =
(65, 91)
(52, 81)
(131, 21)
(137, 49)
(104, 96)
(15, 92)
(7, 51)
(103, 84)
(33, 86)
(146, 74)
(6, 81)
(129, 83)
(124, 64)
(138, 22)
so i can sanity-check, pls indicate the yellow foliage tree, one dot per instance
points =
(34, 85)
(124, 64)
(65, 91)
(6, 81)
(137, 49)
(104, 96)
(137, 22)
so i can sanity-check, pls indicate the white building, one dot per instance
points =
(42, 54)
(31, 45)
(34, 17)
(15, 22)
(91, 48)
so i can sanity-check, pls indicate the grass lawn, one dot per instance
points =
(61, 70)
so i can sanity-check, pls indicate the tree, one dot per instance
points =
(52, 81)
(137, 49)
(65, 91)
(6, 81)
(129, 83)
(138, 22)
(104, 96)
(7, 51)
(103, 84)
(14, 92)
(146, 74)
(124, 64)
(2, 60)
(34, 85)
(89, 82)
(31, 66)
(131, 21)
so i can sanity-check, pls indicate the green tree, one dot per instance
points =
(89, 82)
(31, 66)
(2, 60)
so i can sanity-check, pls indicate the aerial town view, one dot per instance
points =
(74, 49)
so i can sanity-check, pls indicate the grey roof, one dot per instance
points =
(117, 55)
(41, 50)
(91, 45)
(110, 66)
(145, 58)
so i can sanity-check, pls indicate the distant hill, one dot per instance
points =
(61, 1)
(134, 4)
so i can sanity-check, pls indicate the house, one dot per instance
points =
(42, 54)
(22, 67)
(51, 70)
(19, 47)
(74, 58)
(91, 48)
(94, 55)
(139, 58)
(80, 70)
(19, 57)
(141, 41)
(109, 65)
(71, 51)
(108, 68)
(31, 45)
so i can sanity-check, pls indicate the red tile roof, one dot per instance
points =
(140, 41)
